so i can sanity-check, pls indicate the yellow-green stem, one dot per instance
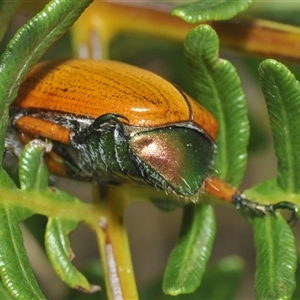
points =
(114, 246)
(97, 26)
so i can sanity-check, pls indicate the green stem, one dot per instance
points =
(114, 245)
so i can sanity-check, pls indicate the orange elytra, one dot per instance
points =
(89, 88)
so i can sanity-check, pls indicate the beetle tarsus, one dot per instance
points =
(242, 203)
(290, 206)
(107, 118)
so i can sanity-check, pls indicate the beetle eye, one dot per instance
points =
(174, 156)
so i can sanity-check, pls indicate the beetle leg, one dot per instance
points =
(107, 118)
(99, 123)
(240, 202)
(220, 189)
(43, 128)
(56, 163)
(289, 206)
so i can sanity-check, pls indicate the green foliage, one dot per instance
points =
(33, 174)
(4, 294)
(276, 252)
(15, 269)
(206, 10)
(227, 273)
(60, 253)
(188, 260)
(218, 88)
(276, 258)
(282, 93)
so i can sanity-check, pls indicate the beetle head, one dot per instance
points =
(173, 158)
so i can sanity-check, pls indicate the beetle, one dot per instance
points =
(115, 123)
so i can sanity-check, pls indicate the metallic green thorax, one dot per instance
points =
(174, 158)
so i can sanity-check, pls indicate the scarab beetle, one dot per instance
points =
(116, 123)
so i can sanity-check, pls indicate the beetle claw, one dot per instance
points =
(114, 117)
(242, 203)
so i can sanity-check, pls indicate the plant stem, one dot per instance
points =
(97, 26)
(114, 246)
